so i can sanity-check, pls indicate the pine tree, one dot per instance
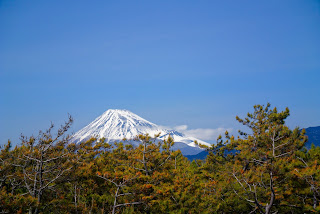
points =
(41, 162)
(262, 162)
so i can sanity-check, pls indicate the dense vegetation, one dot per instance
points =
(267, 170)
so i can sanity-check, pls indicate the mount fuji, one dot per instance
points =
(114, 125)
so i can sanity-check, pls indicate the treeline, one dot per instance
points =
(267, 170)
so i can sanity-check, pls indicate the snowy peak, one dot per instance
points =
(115, 125)
(122, 119)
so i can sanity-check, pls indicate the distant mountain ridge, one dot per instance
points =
(313, 134)
(115, 125)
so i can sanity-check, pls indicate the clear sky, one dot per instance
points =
(194, 63)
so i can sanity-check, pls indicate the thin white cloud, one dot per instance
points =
(181, 128)
(202, 134)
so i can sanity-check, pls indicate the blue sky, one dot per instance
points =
(194, 63)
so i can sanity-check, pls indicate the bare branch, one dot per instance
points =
(125, 204)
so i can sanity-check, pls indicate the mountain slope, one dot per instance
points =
(313, 134)
(115, 125)
(200, 156)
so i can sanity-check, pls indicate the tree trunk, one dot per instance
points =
(269, 206)
(115, 201)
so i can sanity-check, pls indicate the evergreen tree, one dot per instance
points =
(261, 166)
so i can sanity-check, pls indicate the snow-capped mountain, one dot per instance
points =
(115, 125)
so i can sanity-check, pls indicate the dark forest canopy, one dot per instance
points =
(270, 172)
